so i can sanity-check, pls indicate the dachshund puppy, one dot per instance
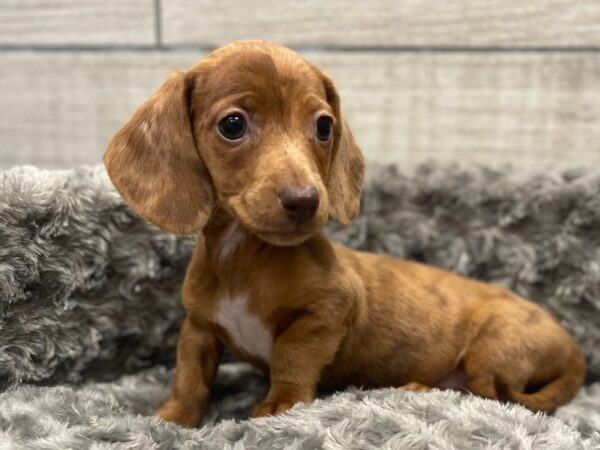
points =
(248, 149)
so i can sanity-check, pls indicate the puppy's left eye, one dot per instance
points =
(324, 126)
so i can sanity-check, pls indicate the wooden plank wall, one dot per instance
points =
(478, 81)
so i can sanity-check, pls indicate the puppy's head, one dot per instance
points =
(253, 128)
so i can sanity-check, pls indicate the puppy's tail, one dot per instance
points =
(552, 395)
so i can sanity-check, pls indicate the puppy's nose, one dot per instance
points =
(300, 203)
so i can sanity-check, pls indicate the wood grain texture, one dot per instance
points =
(59, 108)
(531, 109)
(76, 22)
(385, 23)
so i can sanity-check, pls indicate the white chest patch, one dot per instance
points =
(247, 331)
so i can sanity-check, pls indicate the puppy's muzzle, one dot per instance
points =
(300, 203)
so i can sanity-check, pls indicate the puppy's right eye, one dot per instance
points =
(233, 126)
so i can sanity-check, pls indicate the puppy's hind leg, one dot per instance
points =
(484, 361)
(535, 363)
(415, 386)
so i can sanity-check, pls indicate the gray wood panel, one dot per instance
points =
(531, 109)
(60, 108)
(76, 22)
(385, 23)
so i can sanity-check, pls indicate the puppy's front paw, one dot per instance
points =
(271, 408)
(177, 412)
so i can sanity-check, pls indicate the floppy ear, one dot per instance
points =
(155, 165)
(346, 167)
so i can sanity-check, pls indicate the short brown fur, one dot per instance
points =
(336, 316)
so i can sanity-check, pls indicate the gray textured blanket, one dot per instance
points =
(89, 313)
